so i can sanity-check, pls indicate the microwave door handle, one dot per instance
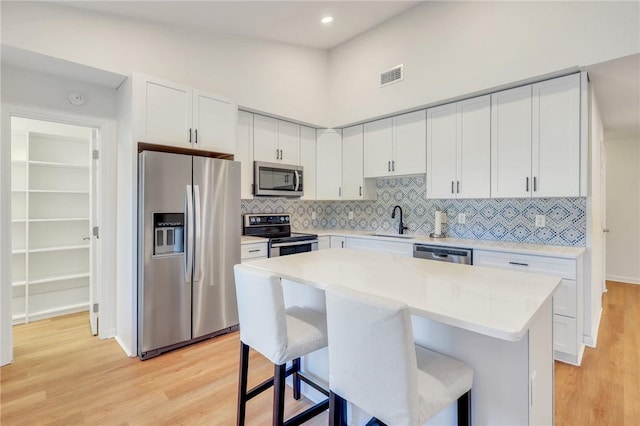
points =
(197, 273)
(296, 179)
(188, 235)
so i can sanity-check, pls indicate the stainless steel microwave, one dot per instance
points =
(277, 180)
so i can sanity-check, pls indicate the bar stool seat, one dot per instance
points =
(281, 335)
(374, 363)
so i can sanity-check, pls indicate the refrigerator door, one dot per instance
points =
(217, 244)
(164, 277)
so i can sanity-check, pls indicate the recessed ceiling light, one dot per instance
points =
(327, 20)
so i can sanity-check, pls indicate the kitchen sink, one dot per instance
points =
(386, 234)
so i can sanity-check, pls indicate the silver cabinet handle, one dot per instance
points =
(196, 132)
(339, 191)
(88, 238)
(452, 187)
(393, 165)
(189, 134)
(518, 264)
(527, 184)
(360, 191)
(254, 251)
(457, 187)
(388, 166)
(281, 154)
(277, 154)
(606, 230)
(342, 244)
(535, 183)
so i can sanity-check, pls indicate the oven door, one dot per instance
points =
(272, 179)
(285, 249)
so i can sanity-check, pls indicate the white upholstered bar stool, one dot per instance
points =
(281, 335)
(374, 364)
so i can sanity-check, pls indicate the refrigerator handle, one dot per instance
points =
(197, 275)
(188, 244)
(297, 180)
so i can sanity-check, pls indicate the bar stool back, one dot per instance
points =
(374, 363)
(281, 335)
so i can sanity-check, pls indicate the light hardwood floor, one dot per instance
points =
(62, 375)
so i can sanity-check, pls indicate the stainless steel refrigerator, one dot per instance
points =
(189, 240)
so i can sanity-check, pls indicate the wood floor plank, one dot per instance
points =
(64, 376)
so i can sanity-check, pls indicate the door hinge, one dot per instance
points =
(96, 154)
(96, 232)
(96, 308)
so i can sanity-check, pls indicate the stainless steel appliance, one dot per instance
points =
(188, 242)
(443, 254)
(277, 227)
(273, 179)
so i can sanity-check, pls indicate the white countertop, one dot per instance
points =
(511, 247)
(248, 239)
(493, 302)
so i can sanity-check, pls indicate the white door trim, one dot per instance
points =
(106, 294)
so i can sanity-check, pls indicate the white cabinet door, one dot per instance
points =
(409, 143)
(329, 163)
(166, 113)
(556, 137)
(352, 163)
(441, 151)
(378, 148)
(265, 139)
(338, 242)
(308, 161)
(244, 153)
(324, 242)
(289, 142)
(474, 148)
(214, 122)
(511, 143)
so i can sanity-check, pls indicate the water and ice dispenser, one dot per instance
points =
(168, 233)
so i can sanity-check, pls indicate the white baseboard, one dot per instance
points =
(124, 347)
(592, 340)
(623, 279)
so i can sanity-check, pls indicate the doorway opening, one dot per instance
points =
(54, 211)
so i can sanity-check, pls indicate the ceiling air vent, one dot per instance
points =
(391, 76)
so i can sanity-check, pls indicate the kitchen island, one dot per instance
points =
(498, 322)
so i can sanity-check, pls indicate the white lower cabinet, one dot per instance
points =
(567, 301)
(338, 242)
(253, 251)
(324, 242)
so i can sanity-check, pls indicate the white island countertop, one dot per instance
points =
(493, 302)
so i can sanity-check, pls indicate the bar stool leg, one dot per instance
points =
(337, 410)
(296, 379)
(464, 409)
(242, 383)
(280, 373)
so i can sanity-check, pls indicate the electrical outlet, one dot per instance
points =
(462, 218)
(350, 215)
(313, 215)
(540, 221)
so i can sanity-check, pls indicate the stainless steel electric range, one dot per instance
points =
(277, 227)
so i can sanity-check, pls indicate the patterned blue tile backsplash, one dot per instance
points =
(486, 219)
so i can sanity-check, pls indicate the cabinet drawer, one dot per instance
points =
(564, 268)
(251, 251)
(564, 335)
(564, 299)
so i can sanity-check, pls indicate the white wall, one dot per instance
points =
(623, 209)
(450, 49)
(281, 79)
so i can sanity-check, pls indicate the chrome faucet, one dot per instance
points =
(401, 226)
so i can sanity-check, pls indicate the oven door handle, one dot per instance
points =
(296, 180)
(294, 243)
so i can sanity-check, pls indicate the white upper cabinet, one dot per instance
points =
(458, 149)
(556, 137)
(276, 141)
(177, 115)
(409, 143)
(535, 140)
(354, 186)
(308, 161)
(378, 148)
(244, 153)
(329, 163)
(395, 146)
(511, 143)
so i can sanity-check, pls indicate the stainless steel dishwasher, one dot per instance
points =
(443, 254)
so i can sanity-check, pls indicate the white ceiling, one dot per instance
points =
(295, 22)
